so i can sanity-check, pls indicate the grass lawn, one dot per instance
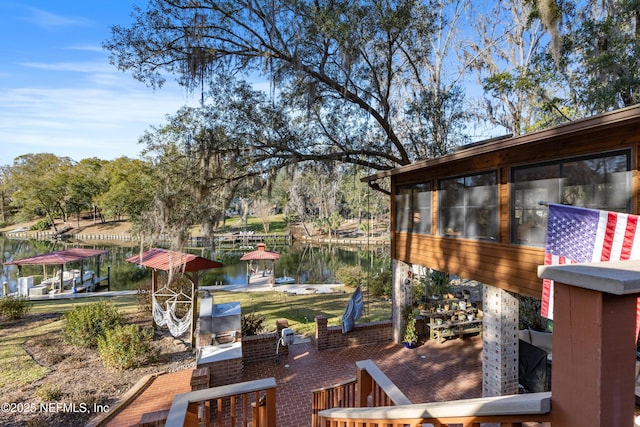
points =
(301, 310)
(18, 367)
(124, 304)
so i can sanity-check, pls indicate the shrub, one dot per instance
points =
(48, 392)
(14, 307)
(43, 224)
(529, 314)
(252, 324)
(125, 346)
(351, 276)
(380, 284)
(86, 323)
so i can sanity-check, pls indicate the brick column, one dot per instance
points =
(200, 379)
(322, 339)
(401, 294)
(499, 342)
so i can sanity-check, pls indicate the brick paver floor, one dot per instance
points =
(428, 373)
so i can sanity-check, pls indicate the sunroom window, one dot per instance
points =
(413, 208)
(469, 206)
(598, 182)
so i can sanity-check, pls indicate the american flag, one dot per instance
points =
(354, 310)
(587, 235)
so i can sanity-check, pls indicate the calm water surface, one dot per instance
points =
(307, 264)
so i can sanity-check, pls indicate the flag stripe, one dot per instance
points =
(609, 235)
(629, 237)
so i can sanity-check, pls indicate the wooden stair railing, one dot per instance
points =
(342, 395)
(372, 400)
(370, 388)
(504, 410)
(238, 405)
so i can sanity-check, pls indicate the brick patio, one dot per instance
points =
(430, 372)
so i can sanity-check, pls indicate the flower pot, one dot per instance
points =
(410, 344)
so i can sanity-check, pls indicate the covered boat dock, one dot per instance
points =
(61, 259)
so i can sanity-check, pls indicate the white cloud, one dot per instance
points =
(103, 122)
(48, 20)
(80, 67)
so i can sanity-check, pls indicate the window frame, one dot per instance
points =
(472, 217)
(405, 218)
(523, 203)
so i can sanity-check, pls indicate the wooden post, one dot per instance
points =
(594, 343)
(194, 311)
(271, 407)
(593, 358)
(364, 387)
(154, 285)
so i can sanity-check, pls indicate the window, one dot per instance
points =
(469, 207)
(413, 208)
(598, 182)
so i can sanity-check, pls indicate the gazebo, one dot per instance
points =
(192, 267)
(261, 254)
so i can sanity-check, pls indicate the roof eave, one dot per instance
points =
(621, 116)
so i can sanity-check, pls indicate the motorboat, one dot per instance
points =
(87, 276)
(285, 280)
(68, 278)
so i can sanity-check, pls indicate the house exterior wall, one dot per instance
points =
(499, 262)
(502, 263)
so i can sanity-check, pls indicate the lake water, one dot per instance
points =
(306, 263)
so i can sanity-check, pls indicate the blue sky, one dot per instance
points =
(58, 92)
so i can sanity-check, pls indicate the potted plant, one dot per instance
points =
(410, 334)
(438, 284)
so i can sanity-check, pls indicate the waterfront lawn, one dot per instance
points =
(17, 366)
(301, 310)
(124, 304)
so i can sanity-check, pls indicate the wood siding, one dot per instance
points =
(508, 266)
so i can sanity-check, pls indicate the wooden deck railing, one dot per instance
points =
(242, 404)
(372, 400)
(370, 388)
(342, 395)
(502, 410)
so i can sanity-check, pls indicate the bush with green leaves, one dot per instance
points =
(48, 392)
(125, 346)
(14, 308)
(351, 275)
(43, 224)
(380, 284)
(85, 324)
(252, 324)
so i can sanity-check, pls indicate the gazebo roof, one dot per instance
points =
(261, 254)
(58, 257)
(163, 259)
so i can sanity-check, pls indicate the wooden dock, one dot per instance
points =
(238, 240)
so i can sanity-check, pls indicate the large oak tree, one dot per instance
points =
(351, 78)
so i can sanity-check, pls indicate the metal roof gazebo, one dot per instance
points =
(261, 254)
(190, 265)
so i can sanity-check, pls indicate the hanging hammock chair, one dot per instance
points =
(177, 326)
